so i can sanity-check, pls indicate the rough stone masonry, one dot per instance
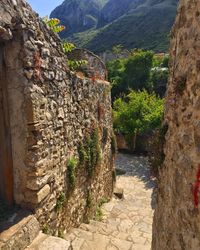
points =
(60, 123)
(176, 221)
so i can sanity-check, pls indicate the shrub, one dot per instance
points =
(61, 233)
(140, 112)
(46, 228)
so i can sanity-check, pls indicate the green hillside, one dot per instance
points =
(132, 23)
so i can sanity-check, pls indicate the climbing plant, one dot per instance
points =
(71, 167)
(60, 201)
(90, 151)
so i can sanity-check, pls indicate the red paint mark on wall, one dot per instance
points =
(38, 64)
(195, 189)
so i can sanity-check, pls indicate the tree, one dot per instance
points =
(139, 113)
(117, 49)
(115, 75)
(130, 73)
(137, 70)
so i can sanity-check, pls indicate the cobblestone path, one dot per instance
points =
(127, 222)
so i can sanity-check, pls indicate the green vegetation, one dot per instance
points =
(140, 70)
(139, 113)
(137, 70)
(54, 25)
(61, 233)
(71, 167)
(46, 228)
(146, 27)
(99, 213)
(90, 152)
(60, 201)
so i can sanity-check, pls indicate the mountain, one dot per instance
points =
(78, 15)
(99, 25)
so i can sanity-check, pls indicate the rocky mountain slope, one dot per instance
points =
(99, 25)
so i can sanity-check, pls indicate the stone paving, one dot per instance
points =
(127, 223)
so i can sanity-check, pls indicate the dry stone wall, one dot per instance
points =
(176, 221)
(53, 113)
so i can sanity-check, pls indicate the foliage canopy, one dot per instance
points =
(140, 112)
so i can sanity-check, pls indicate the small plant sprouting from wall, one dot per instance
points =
(46, 229)
(71, 167)
(99, 213)
(106, 92)
(113, 144)
(90, 152)
(54, 25)
(61, 233)
(82, 154)
(60, 201)
(95, 150)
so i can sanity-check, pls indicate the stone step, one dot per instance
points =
(137, 237)
(106, 229)
(46, 242)
(85, 240)
(19, 231)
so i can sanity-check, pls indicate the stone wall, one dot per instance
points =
(94, 68)
(53, 114)
(176, 221)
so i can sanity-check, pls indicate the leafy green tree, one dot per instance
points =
(137, 70)
(139, 113)
(115, 75)
(165, 62)
(130, 73)
(117, 49)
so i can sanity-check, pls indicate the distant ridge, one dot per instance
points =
(100, 24)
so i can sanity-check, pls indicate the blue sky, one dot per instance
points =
(44, 7)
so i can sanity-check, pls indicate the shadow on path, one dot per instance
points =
(139, 167)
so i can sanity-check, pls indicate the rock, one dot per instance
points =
(176, 219)
(45, 242)
(119, 192)
(5, 34)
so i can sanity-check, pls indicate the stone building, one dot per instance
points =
(56, 157)
(176, 221)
